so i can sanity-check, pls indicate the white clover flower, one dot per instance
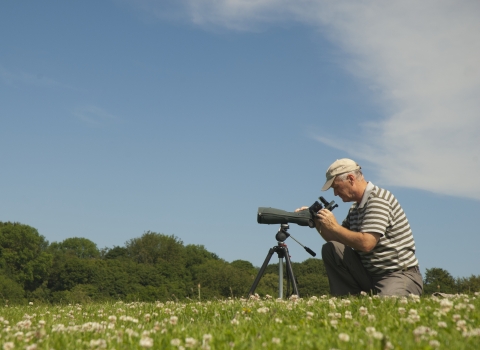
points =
(175, 342)
(234, 322)
(421, 330)
(278, 320)
(371, 317)
(363, 311)
(334, 323)
(348, 315)
(276, 340)
(442, 324)
(370, 330)
(8, 345)
(434, 343)
(146, 342)
(190, 342)
(98, 343)
(310, 315)
(389, 345)
(207, 337)
(377, 335)
(401, 310)
(263, 310)
(173, 320)
(344, 337)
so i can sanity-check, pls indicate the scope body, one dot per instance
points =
(272, 216)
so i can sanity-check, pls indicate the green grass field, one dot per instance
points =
(259, 323)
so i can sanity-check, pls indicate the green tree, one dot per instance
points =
(83, 248)
(468, 284)
(438, 280)
(23, 256)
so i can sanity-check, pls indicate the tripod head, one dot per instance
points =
(282, 235)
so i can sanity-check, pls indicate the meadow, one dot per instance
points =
(364, 322)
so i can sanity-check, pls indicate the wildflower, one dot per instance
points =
(442, 324)
(401, 310)
(175, 342)
(173, 320)
(234, 322)
(348, 315)
(434, 343)
(334, 323)
(276, 340)
(146, 342)
(31, 347)
(456, 317)
(190, 342)
(30, 303)
(207, 338)
(278, 320)
(389, 345)
(344, 337)
(8, 345)
(378, 335)
(362, 293)
(371, 317)
(263, 310)
(309, 315)
(98, 344)
(363, 311)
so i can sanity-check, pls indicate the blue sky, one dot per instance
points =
(184, 117)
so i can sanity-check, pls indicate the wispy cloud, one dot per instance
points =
(12, 77)
(419, 57)
(94, 116)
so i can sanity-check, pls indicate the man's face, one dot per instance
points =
(343, 189)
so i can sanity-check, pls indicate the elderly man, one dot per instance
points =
(373, 249)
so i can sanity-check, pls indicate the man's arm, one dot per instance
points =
(331, 230)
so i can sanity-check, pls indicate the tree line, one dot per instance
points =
(151, 267)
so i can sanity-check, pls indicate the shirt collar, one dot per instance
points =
(366, 194)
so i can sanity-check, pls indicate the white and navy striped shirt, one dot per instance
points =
(380, 212)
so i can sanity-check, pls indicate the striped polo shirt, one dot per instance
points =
(380, 212)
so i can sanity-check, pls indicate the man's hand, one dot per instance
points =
(327, 219)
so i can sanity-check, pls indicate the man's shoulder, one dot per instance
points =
(382, 194)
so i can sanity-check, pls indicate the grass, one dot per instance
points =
(259, 323)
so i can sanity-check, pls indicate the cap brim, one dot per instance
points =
(328, 184)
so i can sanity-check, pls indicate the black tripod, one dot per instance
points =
(282, 252)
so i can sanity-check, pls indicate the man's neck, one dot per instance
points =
(362, 185)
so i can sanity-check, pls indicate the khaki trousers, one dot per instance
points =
(347, 276)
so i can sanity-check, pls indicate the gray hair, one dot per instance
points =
(357, 173)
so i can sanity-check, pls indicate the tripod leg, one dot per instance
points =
(261, 272)
(288, 263)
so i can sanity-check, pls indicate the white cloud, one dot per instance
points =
(421, 57)
(94, 116)
(25, 78)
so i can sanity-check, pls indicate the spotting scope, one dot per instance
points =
(272, 216)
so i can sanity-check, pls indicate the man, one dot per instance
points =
(373, 249)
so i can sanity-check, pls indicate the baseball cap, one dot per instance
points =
(340, 166)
